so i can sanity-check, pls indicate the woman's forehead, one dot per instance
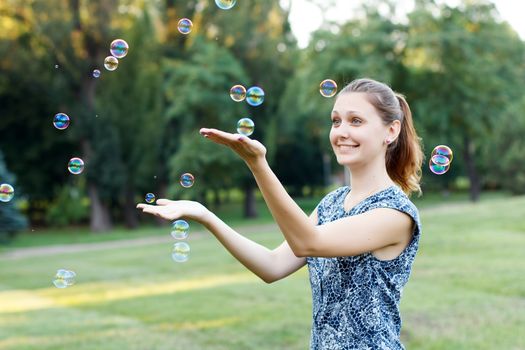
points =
(353, 102)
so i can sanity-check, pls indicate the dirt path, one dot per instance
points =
(21, 253)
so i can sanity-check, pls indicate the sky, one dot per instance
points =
(306, 17)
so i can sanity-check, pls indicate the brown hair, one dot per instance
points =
(404, 156)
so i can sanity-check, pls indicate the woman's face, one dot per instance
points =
(358, 134)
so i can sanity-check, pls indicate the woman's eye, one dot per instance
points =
(336, 121)
(356, 121)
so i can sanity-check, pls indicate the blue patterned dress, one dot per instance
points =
(356, 298)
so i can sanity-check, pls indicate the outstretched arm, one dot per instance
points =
(269, 265)
(348, 236)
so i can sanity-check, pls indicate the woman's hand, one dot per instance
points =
(171, 210)
(251, 151)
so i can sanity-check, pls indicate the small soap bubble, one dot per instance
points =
(181, 252)
(180, 229)
(238, 93)
(255, 96)
(225, 4)
(7, 192)
(438, 169)
(96, 73)
(118, 48)
(440, 160)
(75, 166)
(184, 26)
(187, 180)
(443, 150)
(64, 278)
(328, 88)
(149, 198)
(56, 66)
(61, 121)
(111, 63)
(245, 126)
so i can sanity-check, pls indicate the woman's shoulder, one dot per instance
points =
(395, 198)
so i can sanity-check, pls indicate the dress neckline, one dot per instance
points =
(347, 191)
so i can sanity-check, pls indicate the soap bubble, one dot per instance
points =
(255, 96)
(64, 278)
(187, 180)
(238, 93)
(437, 168)
(96, 73)
(180, 229)
(443, 150)
(75, 166)
(61, 121)
(184, 26)
(245, 126)
(149, 198)
(328, 88)
(225, 4)
(7, 192)
(118, 48)
(111, 63)
(181, 252)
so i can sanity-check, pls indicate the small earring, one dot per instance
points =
(388, 142)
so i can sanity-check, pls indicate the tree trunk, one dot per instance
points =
(250, 205)
(100, 220)
(130, 211)
(469, 156)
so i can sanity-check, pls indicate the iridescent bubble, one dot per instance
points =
(184, 26)
(111, 63)
(56, 66)
(225, 4)
(118, 48)
(438, 169)
(149, 198)
(255, 96)
(181, 252)
(245, 126)
(7, 192)
(64, 278)
(75, 166)
(238, 93)
(61, 121)
(443, 150)
(440, 160)
(96, 73)
(180, 229)
(328, 88)
(187, 180)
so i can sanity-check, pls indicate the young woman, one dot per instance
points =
(360, 241)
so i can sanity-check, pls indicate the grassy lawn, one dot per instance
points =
(466, 291)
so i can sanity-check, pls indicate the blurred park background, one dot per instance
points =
(461, 67)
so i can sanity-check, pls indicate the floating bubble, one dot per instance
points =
(443, 150)
(328, 88)
(118, 48)
(7, 192)
(225, 4)
(61, 121)
(96, 73)
(184, 26)
(64, 278)
(238, 93)
(440, 160)
(245, 126)
(187, 180)
(111, 63)
(438, 169)
(75, 166)
(255, 96)
(180, 229)
(56, 66)
(149, 198)
(181, 252)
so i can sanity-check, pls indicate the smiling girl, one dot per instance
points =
(360, 241)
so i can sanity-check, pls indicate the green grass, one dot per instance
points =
(466, 292)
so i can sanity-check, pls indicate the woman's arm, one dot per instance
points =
(269, 265)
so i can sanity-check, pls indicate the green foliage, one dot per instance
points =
(70, 206)
(11, 220)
